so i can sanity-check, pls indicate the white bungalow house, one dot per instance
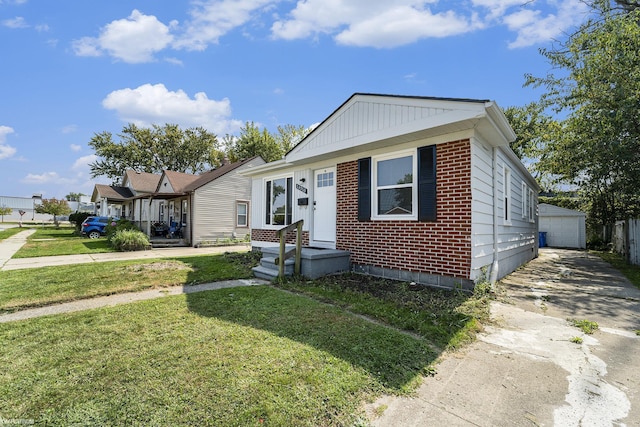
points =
(414, 188)
(120, 200)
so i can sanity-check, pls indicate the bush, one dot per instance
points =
(121, 225)
(129, 240)
(77, 218)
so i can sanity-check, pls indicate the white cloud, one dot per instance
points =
(134, 40)
(213, 19)
(537, 26)
(47, 178)
(75, 147)
(6, 150)
(154, 104)
(82, 163)
(15, 23)
(69, 129)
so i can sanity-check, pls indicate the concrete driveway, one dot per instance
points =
(525, 371)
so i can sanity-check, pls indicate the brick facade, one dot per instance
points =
(441, 248)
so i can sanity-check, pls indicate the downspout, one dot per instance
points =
(493, 278)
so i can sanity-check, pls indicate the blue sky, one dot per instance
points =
(71, 69)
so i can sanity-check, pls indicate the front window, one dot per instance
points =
(395, 186)
(279, 201)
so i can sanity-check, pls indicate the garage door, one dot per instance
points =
(562, 232)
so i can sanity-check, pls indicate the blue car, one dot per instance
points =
(93, 226)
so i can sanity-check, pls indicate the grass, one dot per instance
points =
(48, 285)
(586, 326)
(447, 319)
(49, 241)
(576, 340)
(234, 357)
(8, 232)
(630, 271)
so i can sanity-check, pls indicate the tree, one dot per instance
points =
(289, 136)
(74, 197)
(534, 129)
(597, 144)
(54, 207)
(5, 211)
(254, 142)
(155, 149)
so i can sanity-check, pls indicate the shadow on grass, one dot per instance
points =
(96, 244)
(394, 359)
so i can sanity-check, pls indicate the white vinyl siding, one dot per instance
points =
(516, 241)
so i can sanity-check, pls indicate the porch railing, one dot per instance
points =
(297, 251)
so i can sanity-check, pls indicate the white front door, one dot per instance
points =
(324, 207)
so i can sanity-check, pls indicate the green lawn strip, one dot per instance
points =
(448, 319)
(50, 241)
(8, 232)
(233, 357)
(20, 289)
(630, 271)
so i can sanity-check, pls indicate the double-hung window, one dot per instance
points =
(507, 195)
(395, 187)
(242, 214)
(279, 206)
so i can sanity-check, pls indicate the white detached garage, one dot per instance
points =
(565, 228)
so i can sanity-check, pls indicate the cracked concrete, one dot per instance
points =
(524, 370)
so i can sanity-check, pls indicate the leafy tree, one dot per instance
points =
(74, 197)
(534, 128)
(155, 149)
(597, 145)
(289, 136)
(54, 207)
(5, 211)
(254, 142)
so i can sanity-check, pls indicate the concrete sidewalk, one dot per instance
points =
(525, 370)
(117, 299)
(10, 246)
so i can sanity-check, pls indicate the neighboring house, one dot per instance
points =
(212, 205)
(124, 200)
(415, 188)
(206, 207)
(564, 228)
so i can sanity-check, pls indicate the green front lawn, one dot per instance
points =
(234, 357)
(49, 241)
(36, 287)
(8, 232)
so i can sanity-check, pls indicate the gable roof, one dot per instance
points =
(143, 182)
(214, 174)
(111, 192)
(368, 121)
(178, 180)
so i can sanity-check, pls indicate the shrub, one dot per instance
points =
(77, 218)
(129, 240)
(120, 225)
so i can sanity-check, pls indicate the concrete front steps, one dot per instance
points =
(315, 262)
(161, 242)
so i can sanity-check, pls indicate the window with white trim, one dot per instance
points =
(278, 201)
(524, 195)
(531, 206)
(507, 195)
(394, 187)
(242, 214)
